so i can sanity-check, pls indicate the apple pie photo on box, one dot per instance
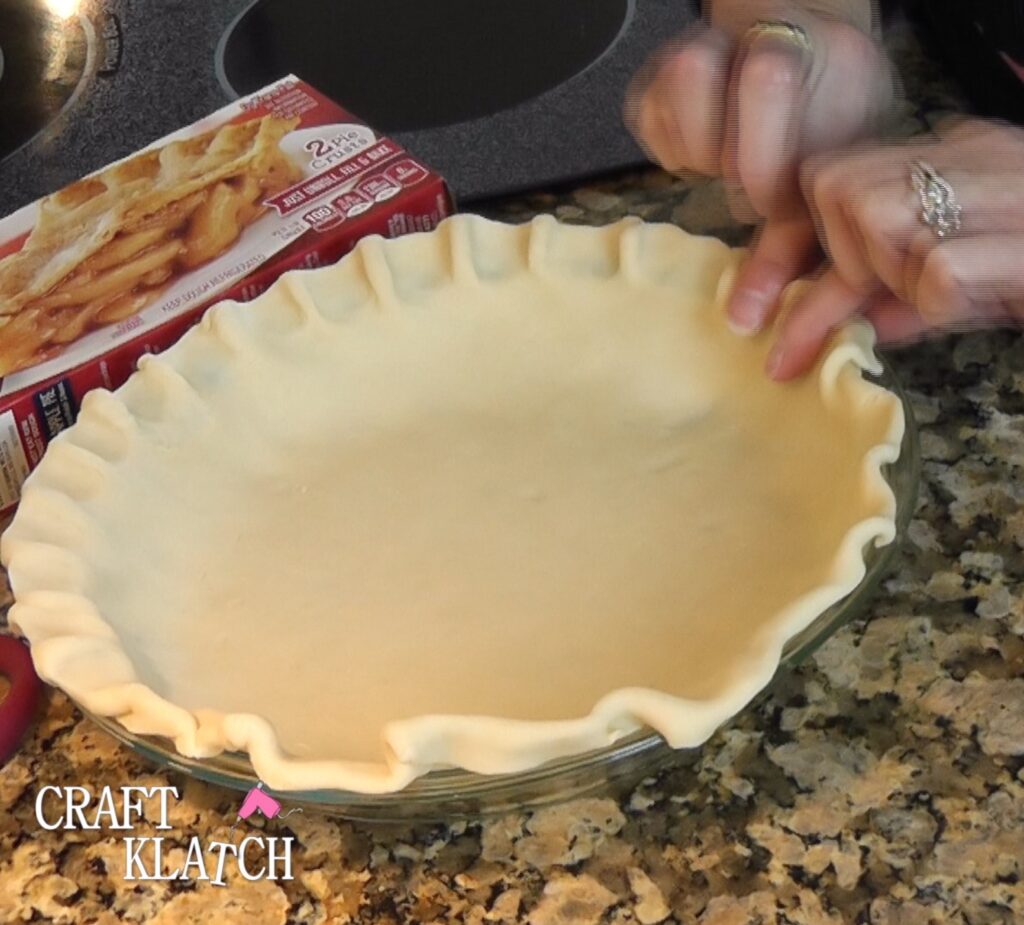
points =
(281, 178)
(109, 245)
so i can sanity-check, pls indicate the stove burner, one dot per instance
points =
(41, 66)
(404, 66)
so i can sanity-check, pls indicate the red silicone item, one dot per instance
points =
(18, 707)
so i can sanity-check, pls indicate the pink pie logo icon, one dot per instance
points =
(259, 800)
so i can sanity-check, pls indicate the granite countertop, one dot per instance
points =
(881, 782)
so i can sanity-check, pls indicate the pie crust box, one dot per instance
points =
(122, 262)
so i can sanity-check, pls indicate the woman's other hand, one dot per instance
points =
(894, 269)
(737, 99)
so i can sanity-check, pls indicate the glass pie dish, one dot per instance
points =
(451, 794)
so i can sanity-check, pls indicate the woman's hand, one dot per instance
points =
(888, 265)
(749, 103)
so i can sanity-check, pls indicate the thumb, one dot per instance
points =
(784, 250)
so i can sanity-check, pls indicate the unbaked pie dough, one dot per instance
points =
(480, 497)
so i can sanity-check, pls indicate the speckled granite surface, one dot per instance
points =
(882, 783)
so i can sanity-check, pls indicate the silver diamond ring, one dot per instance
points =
(939, 209)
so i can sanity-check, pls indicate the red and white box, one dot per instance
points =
(122, 262)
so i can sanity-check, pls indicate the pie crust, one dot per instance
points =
(106, 246)
(480, 497)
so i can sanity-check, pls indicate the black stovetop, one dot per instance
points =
(403, 66)
(498, 95)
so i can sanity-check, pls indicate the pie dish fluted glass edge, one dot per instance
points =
(446, 795)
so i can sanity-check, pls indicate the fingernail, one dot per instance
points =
(773, 364)
(746, 313)
(784, 38)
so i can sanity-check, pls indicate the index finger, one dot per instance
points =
(804, 330)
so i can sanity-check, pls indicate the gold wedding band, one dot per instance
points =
(781, 29)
